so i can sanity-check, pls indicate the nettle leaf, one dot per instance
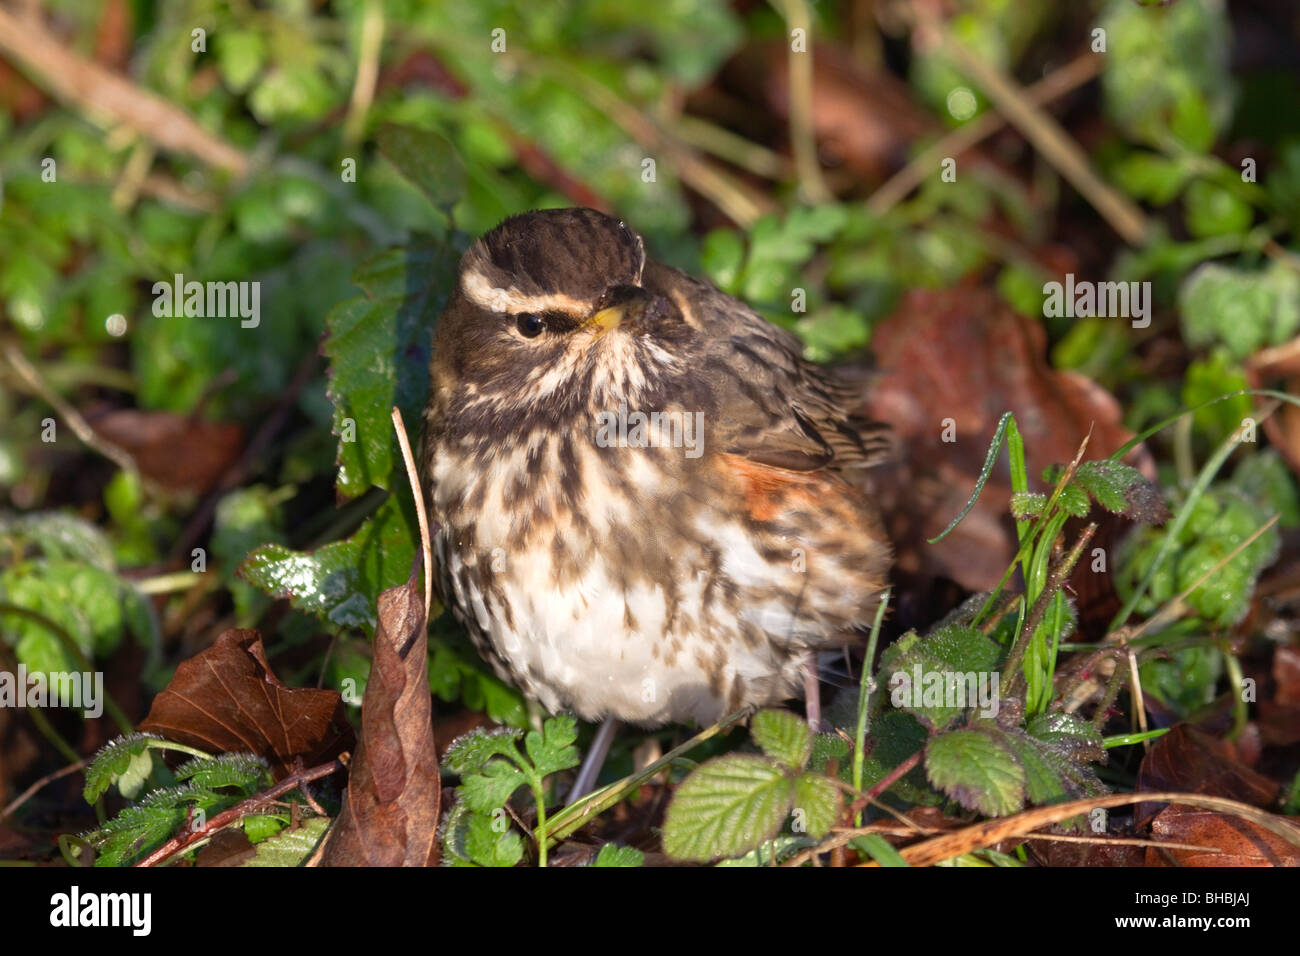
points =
(243, 770)
(379, 350)
(726, 807)
(470, 752)
(1074, 500)
(1043, 782)
(816, 805)
(340, 582)
(126, 758)
(1071, 736)
(978, 770)
(783, 736)
(489, 789)
(611, 855)
(262, 826)
(929, 677)
(825, 748)
(289, 847)
(1122, 490)
(1027, 504)
(552, 750)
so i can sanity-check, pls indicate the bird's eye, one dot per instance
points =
(530, 325)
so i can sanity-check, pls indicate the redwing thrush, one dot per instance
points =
(644, 497)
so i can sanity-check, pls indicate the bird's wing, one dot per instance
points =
(776, 408)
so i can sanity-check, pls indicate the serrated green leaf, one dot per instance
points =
(261, 826)
(726, 807)
(816, 805)
(243, 770)
(612, 855)
(487, 844)
(553, 750)
(1027, 504)
(783, 736)
(490, 788)
(976, 770)
(114, 759)
(471, 751)
(341, 582)
(289, 847)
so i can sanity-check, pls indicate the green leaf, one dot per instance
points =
(489, 789)
(479, 839)
(1071, 736)
(262, 826)
(612, 855)
(783, 736)
(341, 582)
(1244, 311)
(470, 752)
(124, 757)
(553, 750)
(245, 771)
(1214, 211)
(289, 847)
(879, 849)
(726, 807)
(977, 770)
(1152, 177)
(427, 160)
(1027, 504)
(487, 844)
(378, 349)
(1122, 490)
(816, 805)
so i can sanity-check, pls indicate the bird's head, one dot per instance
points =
(551, 312)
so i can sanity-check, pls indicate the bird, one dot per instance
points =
(646, 505)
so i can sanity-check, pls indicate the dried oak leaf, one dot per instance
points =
(178, 452)
(1188, 760)
(226, 699)
(1229, 840)
(390, 810)
(963, 354)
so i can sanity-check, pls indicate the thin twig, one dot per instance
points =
(242, 809)
(417, 492)
(91, 89)
(80, 427)
(1044, 132)
(45, 781)
(1051, 87)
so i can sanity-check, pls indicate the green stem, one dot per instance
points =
(865, 689)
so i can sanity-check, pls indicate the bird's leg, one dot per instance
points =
(585, 782)
(812, 693)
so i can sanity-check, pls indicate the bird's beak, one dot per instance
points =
(608, 319)
(625, 305)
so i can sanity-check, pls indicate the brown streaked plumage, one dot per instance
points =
(671, 573)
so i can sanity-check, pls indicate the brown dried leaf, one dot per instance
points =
(1239, 842)
(180, 453)
(1191, 761)
(390, 810)
(227, 699)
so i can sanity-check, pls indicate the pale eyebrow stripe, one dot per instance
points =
(486, 296)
